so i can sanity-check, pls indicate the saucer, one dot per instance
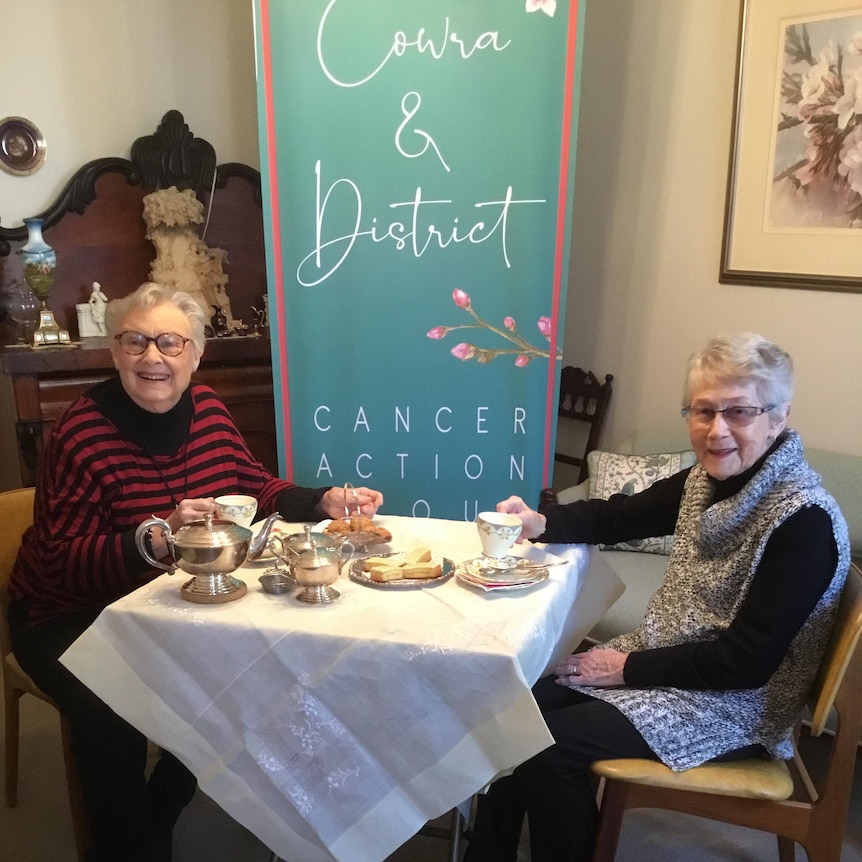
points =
(518, 577)
(501, 563)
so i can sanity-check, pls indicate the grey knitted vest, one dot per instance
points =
(716, 551)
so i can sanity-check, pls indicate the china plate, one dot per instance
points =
(516, 578)
(360, 576)
(22, 146)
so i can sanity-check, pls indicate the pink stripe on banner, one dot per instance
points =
(272, 157)
(550, 413)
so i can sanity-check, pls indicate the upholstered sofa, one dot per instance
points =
(642, 570)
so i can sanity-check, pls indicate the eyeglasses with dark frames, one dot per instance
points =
(167, 343)
(737, 415)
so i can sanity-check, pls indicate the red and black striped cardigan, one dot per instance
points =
(95, 487)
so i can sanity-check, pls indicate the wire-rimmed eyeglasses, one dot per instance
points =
(736, 415)
(167, 343)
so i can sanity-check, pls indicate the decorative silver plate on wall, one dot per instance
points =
(22, 146)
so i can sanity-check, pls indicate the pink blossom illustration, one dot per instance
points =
(817, 180)
(462, 300)
(523, 351)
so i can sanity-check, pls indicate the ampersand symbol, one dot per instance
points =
(409, 112)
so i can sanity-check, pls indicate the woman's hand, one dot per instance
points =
(185, 512)
(534, 523)
(599, 667)
(333, 501)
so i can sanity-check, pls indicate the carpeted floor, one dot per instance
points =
(39, 829)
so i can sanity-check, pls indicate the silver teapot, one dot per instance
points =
(209, 550)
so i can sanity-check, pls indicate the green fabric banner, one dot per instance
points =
(418, 162)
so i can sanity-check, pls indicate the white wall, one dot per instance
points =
(95, 75)
(657, 99)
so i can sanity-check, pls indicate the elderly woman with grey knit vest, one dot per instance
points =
(720, 666)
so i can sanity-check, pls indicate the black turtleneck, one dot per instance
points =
(155, 433)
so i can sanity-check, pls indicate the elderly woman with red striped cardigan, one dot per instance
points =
(148, 441)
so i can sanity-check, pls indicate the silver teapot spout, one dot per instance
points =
(261, 540)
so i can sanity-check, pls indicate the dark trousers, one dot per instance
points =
(131, 818)
(555, 789)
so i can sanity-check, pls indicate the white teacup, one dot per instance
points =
(239, 508)
(497, 532)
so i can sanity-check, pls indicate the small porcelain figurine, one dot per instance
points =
(98, 302)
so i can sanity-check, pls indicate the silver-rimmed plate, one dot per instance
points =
(360, 576)
(22, 146)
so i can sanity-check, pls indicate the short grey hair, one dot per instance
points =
(149, 295)
(744, 358)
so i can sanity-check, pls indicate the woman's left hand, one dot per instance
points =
(333, 501)
(599, 667)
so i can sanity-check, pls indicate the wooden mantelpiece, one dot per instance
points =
(46, 380)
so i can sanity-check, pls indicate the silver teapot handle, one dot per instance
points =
(143, 545)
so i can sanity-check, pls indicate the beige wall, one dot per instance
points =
(95, 75)
(652, 162)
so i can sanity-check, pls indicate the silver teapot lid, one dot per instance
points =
(211, 533)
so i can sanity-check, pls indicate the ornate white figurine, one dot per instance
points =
(98, 302)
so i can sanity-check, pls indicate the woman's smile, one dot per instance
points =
(153, 380)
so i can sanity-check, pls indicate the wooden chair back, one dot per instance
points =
(836, 661)
(16, 514)
(585, 399)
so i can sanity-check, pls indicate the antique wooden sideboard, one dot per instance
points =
(97, 229)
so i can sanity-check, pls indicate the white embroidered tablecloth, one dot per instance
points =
(336, 731)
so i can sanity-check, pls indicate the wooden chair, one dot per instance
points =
(586, 400)
(772, 795)
(16, 514)
(583, 398)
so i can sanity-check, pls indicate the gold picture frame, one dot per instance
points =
(793, 214)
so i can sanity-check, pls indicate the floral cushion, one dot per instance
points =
(611, 473)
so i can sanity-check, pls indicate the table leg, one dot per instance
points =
(456, 830)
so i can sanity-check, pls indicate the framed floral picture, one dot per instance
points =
(793, 215)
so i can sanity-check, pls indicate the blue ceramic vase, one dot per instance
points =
(40, 260)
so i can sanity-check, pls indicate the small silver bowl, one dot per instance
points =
(276, 583)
